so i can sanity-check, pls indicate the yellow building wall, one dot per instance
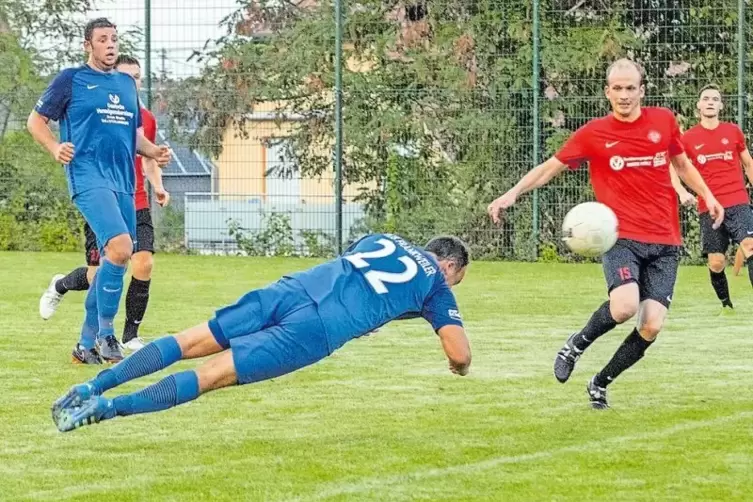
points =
(244, 160)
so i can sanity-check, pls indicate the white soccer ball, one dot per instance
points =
(590, 229)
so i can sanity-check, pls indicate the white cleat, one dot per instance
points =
(135, 344)
(51, 299)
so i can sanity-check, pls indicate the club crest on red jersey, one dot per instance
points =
(654, 136)
(616, 163)
(725, 141)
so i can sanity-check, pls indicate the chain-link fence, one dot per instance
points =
(445, 105)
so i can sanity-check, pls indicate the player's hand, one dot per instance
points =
(687, 199)
(715, 210)
(500, 204)
(163, 155)
(162, 196)
(64, 153)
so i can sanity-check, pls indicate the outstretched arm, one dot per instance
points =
(690, 175)
(456, 347)
(535, 178)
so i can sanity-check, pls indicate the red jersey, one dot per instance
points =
(716, 155)
(150, 132)
(629, 170)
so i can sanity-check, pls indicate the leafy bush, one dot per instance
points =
(36, 212)
(276, 238)
(169, 230)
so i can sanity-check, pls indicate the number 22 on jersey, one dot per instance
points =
(378, 278)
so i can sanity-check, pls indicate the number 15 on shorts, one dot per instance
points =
(625, 274)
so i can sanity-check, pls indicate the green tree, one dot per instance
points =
(438, 96)
(20, 84)
(35, 209)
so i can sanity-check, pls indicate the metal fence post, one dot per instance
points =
(148, 51)
(338, 124)
(740, 62)
(536, 126)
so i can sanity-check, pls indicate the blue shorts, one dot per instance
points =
(271, 331)
(108, 213)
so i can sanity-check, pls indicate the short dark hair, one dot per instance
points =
(709, 87)
(448, 247)
(126, 59)
(100, 22)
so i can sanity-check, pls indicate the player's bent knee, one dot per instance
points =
(650, 330)
(747, 246)
(623, 306)
(624, 302)
(717, 262)
(623, 312)
(119, 249)
(142, 263)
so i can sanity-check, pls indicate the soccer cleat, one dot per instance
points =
(81, 355)
(109, 349)
(72, 399)
(598, 395)
(50, 299)
(91, 411)
(726, 311)
(566, 358)
(135, 344)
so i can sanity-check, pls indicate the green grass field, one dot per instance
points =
(383, 419)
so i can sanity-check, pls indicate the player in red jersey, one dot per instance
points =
(717, 149)
(629, 154)
(142, 259)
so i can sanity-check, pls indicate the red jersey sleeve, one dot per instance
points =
(575, 150)
(675, 142)
(741, 144)
(685, 140)
(149, 123)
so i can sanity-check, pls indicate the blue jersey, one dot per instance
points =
(99, 113)
(378, 279)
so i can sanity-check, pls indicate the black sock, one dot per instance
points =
(750, 269)
(136, 302)
(75, 281)
(720, 285)
(601, 322)
(629, 353)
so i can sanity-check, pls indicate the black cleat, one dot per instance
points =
(80, 355)
(109, 349)
(598, 395)
(565, 361)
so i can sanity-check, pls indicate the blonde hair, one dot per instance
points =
(624, 63)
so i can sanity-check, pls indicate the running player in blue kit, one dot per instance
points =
(97, 109)
(290, 324)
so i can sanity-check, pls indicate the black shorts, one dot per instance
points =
(737, 225)
(652, 266)
(144, 237)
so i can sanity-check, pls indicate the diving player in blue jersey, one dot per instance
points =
(100, 134)
(290, 324)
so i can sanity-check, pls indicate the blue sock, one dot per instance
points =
(168, 392)
(90, 328)
(109, 287)
(153, 357)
